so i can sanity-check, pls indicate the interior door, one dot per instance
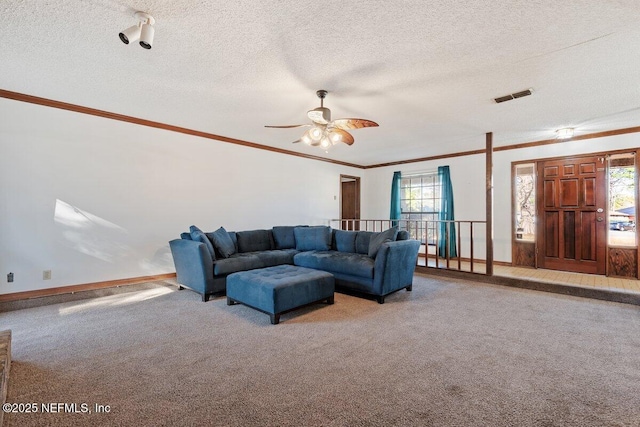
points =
(350, 202)
(572, 214)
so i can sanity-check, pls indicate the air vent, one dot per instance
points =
(504, 98)
(523, 93)
(513, 96)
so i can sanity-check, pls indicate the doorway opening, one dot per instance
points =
(349, 202)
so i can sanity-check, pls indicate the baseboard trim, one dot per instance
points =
(39, 293)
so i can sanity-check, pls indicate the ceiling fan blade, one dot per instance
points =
(353, 123)
(287, 126)
(345, 136)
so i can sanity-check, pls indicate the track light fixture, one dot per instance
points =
(142, 31)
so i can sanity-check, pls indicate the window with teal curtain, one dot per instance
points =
(446, 213)
(395, 198)
(420, 206)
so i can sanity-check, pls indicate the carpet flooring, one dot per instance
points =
(450, 353)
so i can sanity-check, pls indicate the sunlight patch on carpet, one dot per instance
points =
(115, 300)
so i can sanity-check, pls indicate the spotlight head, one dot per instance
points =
(146, 36)
(131, 34)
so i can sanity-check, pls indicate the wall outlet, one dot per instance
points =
(10, 277)
(46, 275)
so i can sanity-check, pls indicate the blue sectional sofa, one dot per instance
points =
(362, 262)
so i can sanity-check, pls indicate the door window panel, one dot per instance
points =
(622, 200)
(525, 185)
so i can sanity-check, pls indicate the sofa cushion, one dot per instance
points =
(222, 242)
(333, 261)
(403, 235)
(186, 236)
(236, 262)
(317, 238)
(283, 237)
(362, 242)
(379, 238)
(254, 240)
(276, 256)
(199, 236)
(345, 241)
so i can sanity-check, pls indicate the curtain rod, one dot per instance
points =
(416, 173)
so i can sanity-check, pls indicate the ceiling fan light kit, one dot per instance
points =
(325, 133)
(319, 135)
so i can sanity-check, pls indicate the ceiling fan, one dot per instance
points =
(325, 132)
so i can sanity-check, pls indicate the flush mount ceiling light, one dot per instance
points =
(143, 31)
(564, 133)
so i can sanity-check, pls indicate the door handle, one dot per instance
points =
(600, 210)
(599, 219)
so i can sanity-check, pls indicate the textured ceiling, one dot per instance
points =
(425, 71)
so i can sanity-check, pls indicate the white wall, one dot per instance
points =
(94, 199)
(468, 180)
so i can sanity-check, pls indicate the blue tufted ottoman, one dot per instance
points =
(275, 290)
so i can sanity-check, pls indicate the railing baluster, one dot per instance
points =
(459, 246)
(437, 247)
(417, 236)
(447, 249)
(471, 241)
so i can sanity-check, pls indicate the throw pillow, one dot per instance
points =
(345, 240)
(379, 238)
(363, 238)
(313, 238)
(403, 235)
(199, 236)
(223, 243)
(284, 237)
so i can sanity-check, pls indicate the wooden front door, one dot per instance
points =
(571, 200)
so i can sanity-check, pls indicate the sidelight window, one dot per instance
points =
(525, 202)
(622, 200)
